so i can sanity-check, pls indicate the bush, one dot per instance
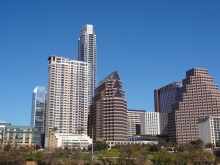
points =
(154, 148)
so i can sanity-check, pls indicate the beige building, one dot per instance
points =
(67, 100)
(108, 112)
(17, 136)
(134, 122)
(198, 97)
(51, 139)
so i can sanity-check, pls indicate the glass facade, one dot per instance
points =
(164, 98)
(38, 114)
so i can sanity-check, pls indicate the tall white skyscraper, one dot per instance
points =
(67, 95)
(87, 53)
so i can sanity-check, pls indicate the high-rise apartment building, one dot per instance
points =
(87, 53)
(150, 123)
(134, 122)
(108, 114)
(163, 100)
(67, 95)
(198, 97)
(38, 114)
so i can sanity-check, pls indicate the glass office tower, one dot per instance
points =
(38, 114)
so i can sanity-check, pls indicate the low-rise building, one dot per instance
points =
(113, 143)
(17, 136)
(68, 140)
(209, 129)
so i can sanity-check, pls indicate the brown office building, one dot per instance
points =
(198, 97)
(108, 112)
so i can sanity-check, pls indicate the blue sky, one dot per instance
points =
(150, 44)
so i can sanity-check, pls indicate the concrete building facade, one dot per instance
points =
(209, 129)
(108, 114)
(150, 123)
(163, 100)
(198, 97)
(67, 95)
(17, 136)
(134, 122)
(81, 141)
(121, 143)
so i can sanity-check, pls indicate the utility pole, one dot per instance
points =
(92, 142)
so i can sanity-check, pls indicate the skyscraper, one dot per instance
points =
(38, 114)
(67, 95)
(108, 114)
(163, 100)
(198, 98)
(87, 53)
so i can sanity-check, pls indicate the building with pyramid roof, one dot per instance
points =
(108, 116)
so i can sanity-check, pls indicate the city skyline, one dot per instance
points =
(153, 42)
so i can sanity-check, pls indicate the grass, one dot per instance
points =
(150, 156)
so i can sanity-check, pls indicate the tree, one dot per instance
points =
(209, 145)
(154, 148)
(7, 147)
(163, 158)
(197, 142)
(11, 157)
(54, 128)
(128, 153)
(201, 157)
(97, 146)
(80, 130)
(182, 158)
(142, 159)
(37, 147)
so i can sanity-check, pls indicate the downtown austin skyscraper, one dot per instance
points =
(87, 53)
(67, 96)
(108, 116)
(198, 98)
(38, 114)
